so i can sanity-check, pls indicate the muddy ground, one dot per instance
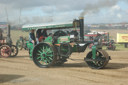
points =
(22, 71)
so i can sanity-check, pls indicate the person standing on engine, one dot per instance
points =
(32, 37)
(38, 34)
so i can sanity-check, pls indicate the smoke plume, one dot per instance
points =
(92, 8)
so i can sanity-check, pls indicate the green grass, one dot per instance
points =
(15, 34)
(120, 47)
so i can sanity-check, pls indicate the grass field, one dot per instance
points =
(15, 34)
(119, 47)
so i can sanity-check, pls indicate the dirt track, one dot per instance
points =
(22, 71)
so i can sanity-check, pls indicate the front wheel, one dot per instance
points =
(101, 60)
(14, 51)
(5, 51)
(44, 55)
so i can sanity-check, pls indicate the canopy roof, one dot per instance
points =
(48, 26)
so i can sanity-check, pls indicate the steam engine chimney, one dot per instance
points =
(9, 40)
(81, 20)
(8, 31)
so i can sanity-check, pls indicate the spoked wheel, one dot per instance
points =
(14, 51)
(5, 51)
(44, 55)
(101, 60)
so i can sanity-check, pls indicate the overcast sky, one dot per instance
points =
(40, 11)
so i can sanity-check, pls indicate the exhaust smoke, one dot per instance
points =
(92, 8)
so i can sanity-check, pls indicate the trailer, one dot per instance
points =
(122, 38)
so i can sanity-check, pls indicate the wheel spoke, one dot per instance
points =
(42, 49)
(39, 51)
(39, 54)
(47, 60)
(50, 55)
(50, 58)
(39, 57)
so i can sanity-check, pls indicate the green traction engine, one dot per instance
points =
(57, 48)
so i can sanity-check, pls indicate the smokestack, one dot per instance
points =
(9, 40)
(8, 31)
(81, 20)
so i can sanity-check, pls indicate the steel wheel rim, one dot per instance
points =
(43, 55)
(5, 51)
(14, 51)
(97, 64)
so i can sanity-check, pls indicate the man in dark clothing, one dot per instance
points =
(44, 34)
(32, 37)
(38, 33)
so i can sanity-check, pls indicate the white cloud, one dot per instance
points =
(63, 10)
(116, 7)
(119, 16)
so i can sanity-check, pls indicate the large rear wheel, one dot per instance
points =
(44, 55)
(101, 60)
